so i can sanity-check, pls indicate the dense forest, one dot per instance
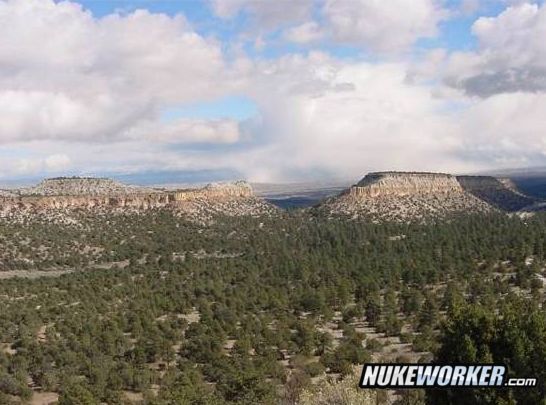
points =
(151, 308)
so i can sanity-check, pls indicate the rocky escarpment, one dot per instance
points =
(80, 186)
(399, 184)
(68, 194)
(238, 189)
(405, 196)
(499, 192)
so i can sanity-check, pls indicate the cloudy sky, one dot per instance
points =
(270, 90)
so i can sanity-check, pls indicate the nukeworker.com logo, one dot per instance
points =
(382, 375)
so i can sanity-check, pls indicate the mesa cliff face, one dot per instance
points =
(103, 194)
(399, 184)
(238, 189)
(499, 192)
(392, 196)
(405, 196)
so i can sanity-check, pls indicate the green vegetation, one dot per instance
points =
(254, 310)
(515, 336)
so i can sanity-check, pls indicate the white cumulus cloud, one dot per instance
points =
(65, 74)
(511, 55)
(266, 15)
(83, 94)
(384, 26)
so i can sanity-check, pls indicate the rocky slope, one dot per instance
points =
(7, 193)
(80, 186)
(68, 194)
(405, 196)
(499, 192)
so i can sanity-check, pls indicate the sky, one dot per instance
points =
(270, 91)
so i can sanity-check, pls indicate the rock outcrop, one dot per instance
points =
(499, 192)
(103, 194)
(399, 184)
(405, 196)
(238, 189)
(80, 186)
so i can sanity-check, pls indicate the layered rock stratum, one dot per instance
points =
(75, 193)
(391, 196)
(408, 196)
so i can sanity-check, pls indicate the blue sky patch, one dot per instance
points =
(235, 107)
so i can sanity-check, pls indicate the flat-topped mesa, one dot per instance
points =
(237, 189)
(89, 193)
(488, 183)
(398, 184)
(405, 196)
(234, 189)
(499, 192)
(81, 186)
(55, 202)
(226, 199)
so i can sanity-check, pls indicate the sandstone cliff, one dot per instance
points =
(67, 194)
(238, 189)
(405, 196)
(400, 184)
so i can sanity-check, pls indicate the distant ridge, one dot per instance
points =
(499, 192)
(389, 196)
(80, 186)
(64, 194)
